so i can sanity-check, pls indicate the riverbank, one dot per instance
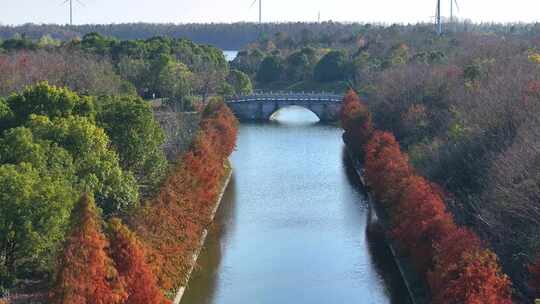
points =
(416, 287)
(449, 258)
(227, 178)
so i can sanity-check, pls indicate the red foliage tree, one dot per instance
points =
(420, 220)
(386, 167)
(458, 268)
(128, 254)
(466, 273)
(356, 121)
(172, 224)
(86, 273)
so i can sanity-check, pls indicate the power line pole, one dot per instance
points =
(260, 11)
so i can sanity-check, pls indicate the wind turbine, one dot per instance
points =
(438, 22)
(71, 9)
(452, 2)
(260, 9)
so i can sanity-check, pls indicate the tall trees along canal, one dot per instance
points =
(292, 225)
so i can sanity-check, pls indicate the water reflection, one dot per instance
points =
(203, 283)
(378, 249)
(291, 228)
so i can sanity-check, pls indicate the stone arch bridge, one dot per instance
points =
(261, 106)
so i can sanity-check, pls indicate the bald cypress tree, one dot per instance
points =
(86, 274)
(128, 254)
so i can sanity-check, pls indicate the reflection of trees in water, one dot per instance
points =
(203, 283)
(381, 256)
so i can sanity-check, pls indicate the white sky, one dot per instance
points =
(185, 11)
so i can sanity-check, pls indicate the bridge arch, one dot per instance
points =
(307, 115)
(262, 106)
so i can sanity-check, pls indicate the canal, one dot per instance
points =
(292, 224)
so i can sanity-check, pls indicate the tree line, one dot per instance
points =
(237, 35)
(453, 259)
(176, 69)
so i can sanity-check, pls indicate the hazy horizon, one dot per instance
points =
(216, 11)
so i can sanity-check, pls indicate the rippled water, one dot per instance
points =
(292, 225)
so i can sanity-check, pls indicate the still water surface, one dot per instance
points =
(230, 55)
(292, 224)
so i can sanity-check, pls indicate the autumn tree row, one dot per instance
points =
(458, 267)
(138, 265)
(94, 268)
(173, 222)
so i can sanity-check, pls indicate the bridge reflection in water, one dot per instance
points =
(292, 225)
(261, 106)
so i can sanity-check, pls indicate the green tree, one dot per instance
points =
(6, 115)
(46, 41)
(135, 134)
(97, 167)
(19, 42)
(226, 90)
(271, 69)
(155, 69)
(332, 67)
(50, 101)
(300, 64)
(18, 145)
(240, 82)
(136, 71)
(35, 208)
(248, 61)
(97, 44)
(176, 83)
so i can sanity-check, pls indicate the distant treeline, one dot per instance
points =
(236, 35)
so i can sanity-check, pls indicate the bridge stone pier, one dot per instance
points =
(261, 106)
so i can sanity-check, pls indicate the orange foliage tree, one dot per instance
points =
(86, 273)
(128, 254)
(458, 268)
(356, 121)
(464, 272)
(172, 223)
(386, 167)
(420, 220)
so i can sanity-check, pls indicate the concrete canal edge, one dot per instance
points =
(417, 290)
(195, 256)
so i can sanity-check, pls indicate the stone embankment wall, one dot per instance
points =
(195, 256)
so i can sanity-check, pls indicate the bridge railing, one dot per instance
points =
(281, 95)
